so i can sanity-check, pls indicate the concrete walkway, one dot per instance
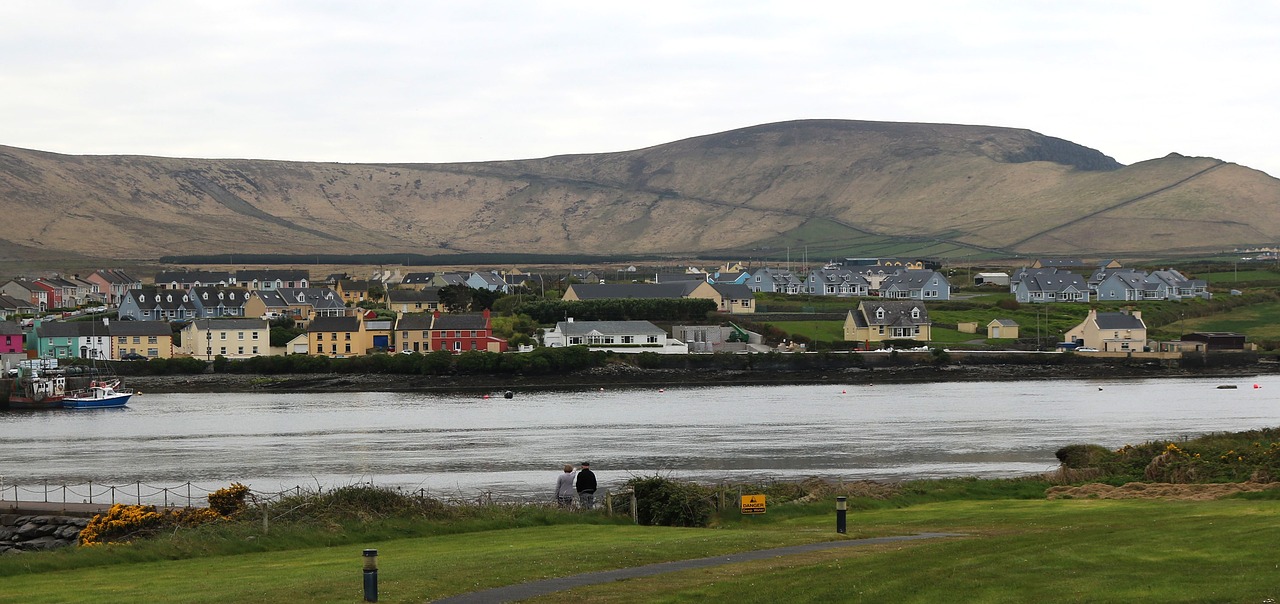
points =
(52, 508)
(522, 591)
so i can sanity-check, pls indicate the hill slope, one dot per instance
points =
(840, 186)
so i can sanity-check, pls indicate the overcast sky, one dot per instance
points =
(403, 81)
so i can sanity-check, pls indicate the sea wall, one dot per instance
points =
(26, 533)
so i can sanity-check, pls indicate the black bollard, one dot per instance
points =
(840, 512)
(371, 575)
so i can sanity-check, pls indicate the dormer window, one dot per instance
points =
(879, 313)
(169, 298)
(915, 313)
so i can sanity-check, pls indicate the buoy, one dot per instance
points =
(1256, 386)
(661, 390)
(842, 392)
(508, 394)
(485, 396)
(602, 390)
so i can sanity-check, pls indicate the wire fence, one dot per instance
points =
(187, 494)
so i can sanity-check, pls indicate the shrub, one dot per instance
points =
(665, 502)
(1083, 456)
(123, 523)
(229, 500)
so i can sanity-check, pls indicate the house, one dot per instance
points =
(70, 292)
(729, 278)
(447, 279)
(461, 332)
(299, 304)
(1110, 331)
(185, 280)
(151, 339)
(23, 289)
(151, 304)
(273, 279)
(889, 263)
(662, 278)
(229, 338)
(352, 291)
(414, 300)
(778, 281)
(613, 336)
(837, 281)
(880, 320)
(12, 338)
(490, 280)
(1177, 286)
(217, 302)
(75, 339)
(1051, 285)
(529, 281)
(729, 298)
(413, 332)
(1002, 329)
(338, 337)
(113, 283)
(417, 280)
(582, 275)
(10, 306)
(607, 291)
(913, 284)
(1065, 264)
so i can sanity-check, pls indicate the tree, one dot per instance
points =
(456, 298)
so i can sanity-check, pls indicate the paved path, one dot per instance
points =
(522, 591)
(52, 507)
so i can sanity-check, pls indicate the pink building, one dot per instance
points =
(12, 340)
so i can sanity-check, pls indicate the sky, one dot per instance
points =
(425, 81)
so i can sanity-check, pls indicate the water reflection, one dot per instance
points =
(466, 444)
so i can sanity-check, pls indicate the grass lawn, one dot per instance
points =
(823, 331)
(1012, 550)
(1228, 278)
(1260, 321)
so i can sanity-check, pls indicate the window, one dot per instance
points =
(457, 345)
(153, 352)
(223, 351)
(255, 336)
(222, 335)
(255, 350)
(628, 339)
(319, 348)
(152, 340)
(239, 335)
(122, 340)
(652, 339)
(347, 347)
(347, 336)
(137, 339)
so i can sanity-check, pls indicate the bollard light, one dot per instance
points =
(371, 575)
(841, 507)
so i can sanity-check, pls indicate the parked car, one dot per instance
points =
(1084, 349)
(132, 356)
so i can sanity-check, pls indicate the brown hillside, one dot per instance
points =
(967, 187)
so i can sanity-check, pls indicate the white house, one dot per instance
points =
(613, 336)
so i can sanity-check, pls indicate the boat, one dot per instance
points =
(34, 389)
(101, 394)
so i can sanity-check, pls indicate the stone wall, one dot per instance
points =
(25, 533)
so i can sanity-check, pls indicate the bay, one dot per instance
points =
(463, 446)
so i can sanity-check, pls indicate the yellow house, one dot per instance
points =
(151, 339)
(877, 321)
(729, 297)
(229, 338)
(1002, 329)
(413, 332)
(1110, 331)
(415, 301)
(352, 291)
(338, 337)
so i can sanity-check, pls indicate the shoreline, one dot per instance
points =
(628, 377)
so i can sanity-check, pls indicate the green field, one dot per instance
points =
(1259, 321)
(1015, 546)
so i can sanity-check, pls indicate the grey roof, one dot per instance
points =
(193, 276)
(909, 279)
(227, 296)
(414, 278)
(139, 328)
(1118, 320)
(334, 324)
(1054, 282)
(10, 328)
(678, 277)
(896, 313)
(273, 274)
(733, 291)
(165, 299)
(205, 324)
(430, 294)
(1004, 322)
(73, 329)
(111, 275)
(455, 321)
(605, 291)
(418, 321)
(582, 328)
(453, 278)
(320, 298)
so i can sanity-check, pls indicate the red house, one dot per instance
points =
(463, 332)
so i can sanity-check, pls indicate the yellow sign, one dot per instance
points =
(752, 504)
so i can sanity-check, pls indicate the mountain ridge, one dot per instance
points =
(844, 186)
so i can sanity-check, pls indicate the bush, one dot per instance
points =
(1083, 456)
(665, 502)
(228, 501)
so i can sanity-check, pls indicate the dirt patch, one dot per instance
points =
(1149, 490)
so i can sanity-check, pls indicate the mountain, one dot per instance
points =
(832, 187)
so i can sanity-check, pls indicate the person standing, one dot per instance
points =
(586, 486)
(564, 487)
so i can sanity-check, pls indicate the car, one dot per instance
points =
(132, 356)
(1083, 349)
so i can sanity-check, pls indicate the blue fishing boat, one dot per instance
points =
(99, 395)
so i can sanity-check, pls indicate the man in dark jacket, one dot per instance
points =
(586, 486)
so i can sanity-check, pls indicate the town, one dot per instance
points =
(879, 303)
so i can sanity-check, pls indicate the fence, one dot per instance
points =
(186, 494)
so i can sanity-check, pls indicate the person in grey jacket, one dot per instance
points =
(564, 487)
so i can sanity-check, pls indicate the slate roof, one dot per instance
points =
(908, 279)
(418, 321)
(164, 299)
(1054, 282)
(334, 324)
(115, 276)
(582, 328)
(605, 291)
(430, 294)
(10, 328)
(193, 276)
(897, 313)
(225, 324)
(227, 296)
(1118, 320)
(139, 328)
(733, 291)
(415, 278)
(273, 274)
(455, 321)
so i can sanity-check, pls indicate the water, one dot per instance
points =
(464, 445)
